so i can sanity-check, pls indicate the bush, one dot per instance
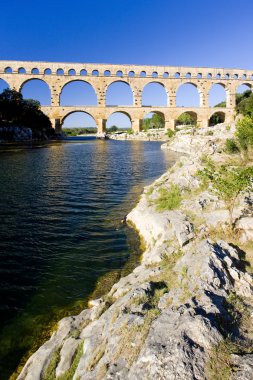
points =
(170, 133)
(231, 146)
(169, 199)
(228, 183)
(244, 133)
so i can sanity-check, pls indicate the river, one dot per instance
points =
(61, 208)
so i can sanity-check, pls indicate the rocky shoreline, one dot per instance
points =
(186, 311)
(150, 135)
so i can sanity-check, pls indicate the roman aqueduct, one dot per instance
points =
(100, 76)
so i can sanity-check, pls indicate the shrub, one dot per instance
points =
(231, 146)
(244, 133)
(228, 183)
(130, 131)
(169, 199)
(170, 133)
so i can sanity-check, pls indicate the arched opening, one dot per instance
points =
(243, 92)
(48, 72)
(199, 75)
(153, 120)
(72, 72)
(8, 70)
(119, 73)
(37, 89)
(131, 74)
(188, 75)
(118, 121)
(209, 76)
(154, 94)
(35, 71)
(77, 123)
(60, 72)
(177, 75)
(218, 76)
(154, 74)
(187, 118)
(235, 76)
(165, 75)
(78, 93)
(187, 95)
(107, 73)
(118, 94)
(3, 85)
(244, 76)
(217, 96)
(21, 70)
(227, 76)
(95, 73)
(217, 118)
(83, 72)
(143, 74)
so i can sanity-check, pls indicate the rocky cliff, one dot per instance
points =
(186, 311)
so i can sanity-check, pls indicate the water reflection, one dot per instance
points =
(61, 208)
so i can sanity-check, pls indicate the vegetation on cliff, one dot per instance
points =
(17, 112)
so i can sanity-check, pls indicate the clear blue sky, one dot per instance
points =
(163, 32)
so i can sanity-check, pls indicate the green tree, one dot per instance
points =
(186, 119)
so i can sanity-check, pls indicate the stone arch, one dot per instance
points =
(187, 118)
(246, 85)
(116, 118)
(166, 75)
(143, 74)
(177, 75)
(131, 73)
(187, 95)
(3, 85)
(217, 118)
(153, 119)
(72, 72)
(21, 70)
(59, 71)
(155, 90)
(188, 75)
(154, 74)
(8, 70)
(77, 89)
(47, 71)
(37, 89)
(95, 73)
(83, 72)
(76, 112)
(218, 95)
(107, 73)
(119, 73)
(35, 70)
(116, 90)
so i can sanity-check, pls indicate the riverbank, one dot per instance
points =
(186, 311)
(150, 135)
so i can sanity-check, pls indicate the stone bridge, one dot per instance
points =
(101, 76)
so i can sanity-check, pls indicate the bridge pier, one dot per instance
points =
(101, 124)
(136, 125)
(56, 124)
(169, 124)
